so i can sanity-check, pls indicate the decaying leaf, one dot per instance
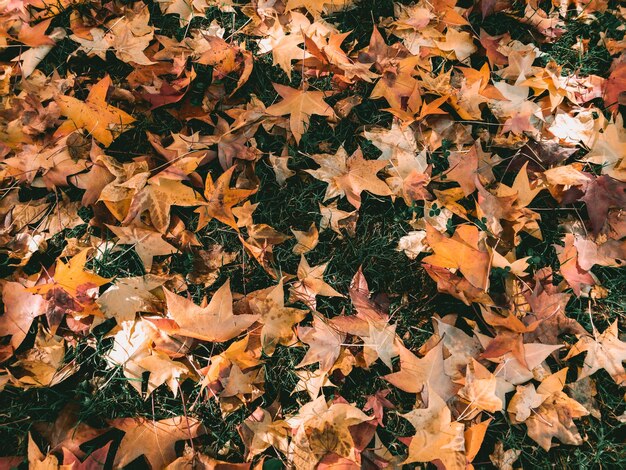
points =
(94, 115)
(154, 154)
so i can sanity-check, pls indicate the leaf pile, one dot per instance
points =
(182, 180)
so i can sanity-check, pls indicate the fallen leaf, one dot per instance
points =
(154, 439)
(215, 322)
(604, 351)
(94, 114)
(300, 105)
(147, 243)
(220, 200)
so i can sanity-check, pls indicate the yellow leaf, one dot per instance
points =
(94, 115)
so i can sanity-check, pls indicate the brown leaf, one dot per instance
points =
(147, 243)
(215, 322)
(220, 200)
(68, 432)
(604, 351)
(300, 105)
(417, 373)
(349, 176)
(94, 115)
(154, 439)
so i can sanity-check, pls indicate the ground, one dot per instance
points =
(103, 393)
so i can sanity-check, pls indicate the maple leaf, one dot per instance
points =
(55, 162)
(261, 430)
(240, 384)
(314, 7)
(474, 437)
(509, 338)
(244, 214)
(393, 142)
(101, 173)
(162, 370)
(417, 373)
(71, 289)
(147, 243)
(584, 391)
(524, 401)
(467, 165)
(510, 371)
(608, 150)
(197, 461)
(128, 179)
(220, 200)
(277, 320)
(132, 342)
(34, 36)
(554, 418)
(338, 219)
(575, 276)
(548, 306)
(226, 58)
(43, 365)
(130, 35)
(367, 307)
(67, 432)
(154, 439)
(130, 295)
(380, 342)
(312, 382)
(349, 176)
(604, 351)
(460, 348)
(260, 245)
(437, 437)
(207, 264)
(185, 9)
(98, 44)
(479, 390)
(326, 55)
(371, 324)
(526, 192)
(311, 283)
(499, 208)
(409, 178)
(329, 431)
(300, 105)
(157, 197)
(305, 240)
(324, 342)
(94, 115)
(601, 194)
(456, 286)
(21, 307)
(504, 459)
(215, 322)
(378, 403)
(281, 169)
(459, 42)
(470, 100)
(284, 47)
(31, 58)
(37, 460)
(614, 87)
(398, 84)
(490, 43)
(461, 252)
(94, 461)
(224, 376)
